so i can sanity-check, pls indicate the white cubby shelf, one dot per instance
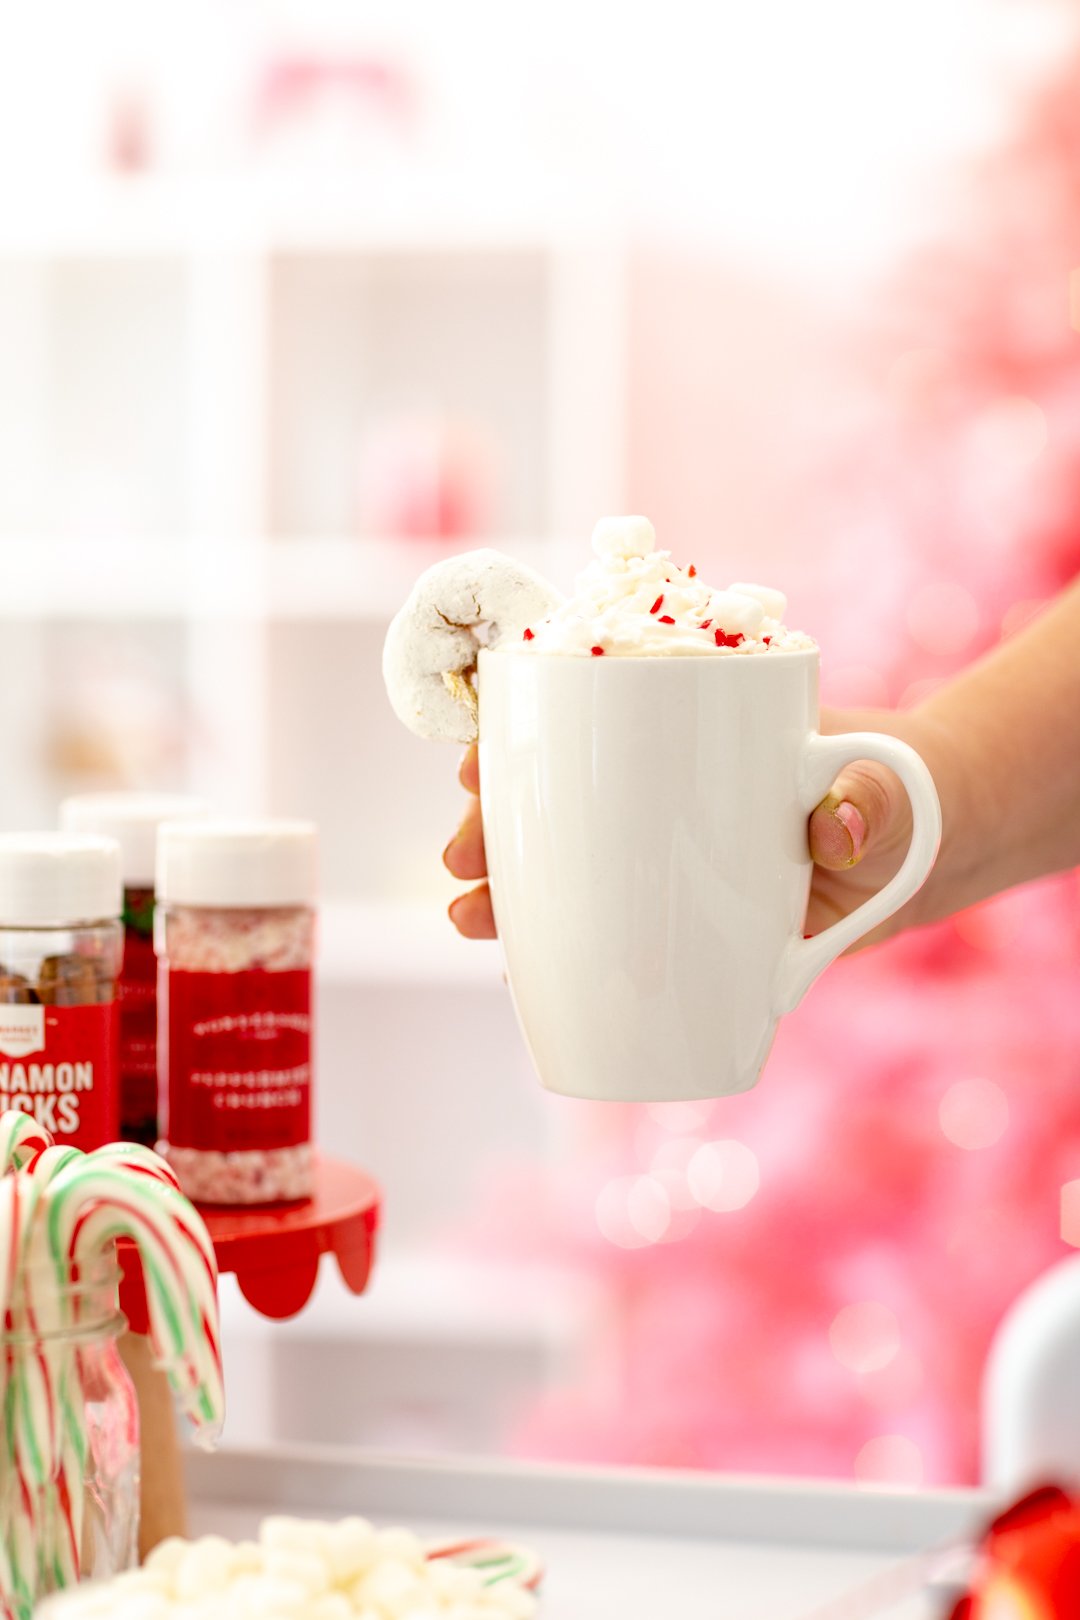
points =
(198, 378)
(197, 374)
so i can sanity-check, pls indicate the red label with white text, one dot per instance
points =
(60, 1065)
(239, 1059)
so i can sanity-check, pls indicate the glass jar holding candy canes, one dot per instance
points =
(69, 1453)
(61, 942)
(235, 939)
(133, 820)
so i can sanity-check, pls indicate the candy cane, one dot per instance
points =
(104, 1197)
(30, 1418)
(45, 1408)
(21, 1139)
(41, 1408)
(495, 1561)
(61, 1212)
(19, 1535)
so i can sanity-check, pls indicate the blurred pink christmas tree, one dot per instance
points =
(806, 1279)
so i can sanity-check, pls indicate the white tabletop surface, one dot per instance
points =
(595, 1569)
(638, 1578)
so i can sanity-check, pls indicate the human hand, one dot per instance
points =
(470, 913)
(858, 835)
(860, 832)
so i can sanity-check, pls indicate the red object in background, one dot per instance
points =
(137, 996)
(426, 478)
(292, 85)
(275, 1251)
(1029, 1562)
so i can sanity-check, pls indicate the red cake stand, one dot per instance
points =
(274, 1252)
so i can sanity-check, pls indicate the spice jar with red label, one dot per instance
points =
(235, 935)
(61, 942)
(133, 820)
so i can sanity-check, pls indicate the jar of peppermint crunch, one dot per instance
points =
(234, 933)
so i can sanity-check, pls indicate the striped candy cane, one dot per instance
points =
(61, 1212)
(21, 1139)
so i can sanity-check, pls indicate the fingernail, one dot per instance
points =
(855, 827)
(452, 907)
(450, 845)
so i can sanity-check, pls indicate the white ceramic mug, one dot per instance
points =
(645, 823)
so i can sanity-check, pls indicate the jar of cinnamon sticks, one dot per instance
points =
(61, 942)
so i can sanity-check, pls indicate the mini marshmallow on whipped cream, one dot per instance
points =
(633, 601)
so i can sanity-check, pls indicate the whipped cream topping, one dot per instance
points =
(635, 601)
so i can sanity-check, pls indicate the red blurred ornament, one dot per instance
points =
(1029, 1562)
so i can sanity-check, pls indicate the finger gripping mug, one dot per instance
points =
(645, 824)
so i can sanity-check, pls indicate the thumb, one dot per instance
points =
(865, 810)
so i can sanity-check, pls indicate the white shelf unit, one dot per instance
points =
(193, 370)
(196, 374)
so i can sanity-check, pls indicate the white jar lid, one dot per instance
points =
(133, 820)
(237, 863)
(55, 880)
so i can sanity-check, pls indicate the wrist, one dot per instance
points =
(952, 883)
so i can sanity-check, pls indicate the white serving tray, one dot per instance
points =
(617, 1544)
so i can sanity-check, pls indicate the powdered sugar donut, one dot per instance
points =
(478, 599)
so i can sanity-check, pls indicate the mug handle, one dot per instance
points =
(824, 757)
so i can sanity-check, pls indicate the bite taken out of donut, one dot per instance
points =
(477, 599)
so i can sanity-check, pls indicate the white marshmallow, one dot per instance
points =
(773, 602)
(294, 1535)
(206, 1567)
(400, 1544)
(391, 1585)
(168, 1555)
(139, 1606)
(299, 1567)
(247, 1557)
(453, 1583)
(350, 1548)
(332, 1606)
(623, 537)
(736, 611)
(480, 598)
(258, 1595)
